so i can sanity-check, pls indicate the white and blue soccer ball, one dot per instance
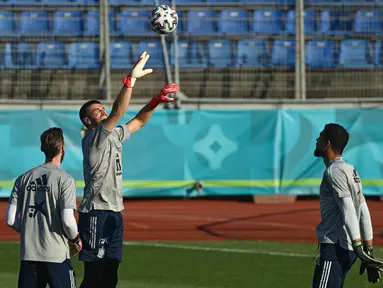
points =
(163, 19)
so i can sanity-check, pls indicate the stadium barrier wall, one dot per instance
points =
(234, 152)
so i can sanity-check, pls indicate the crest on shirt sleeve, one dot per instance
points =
(356, 176)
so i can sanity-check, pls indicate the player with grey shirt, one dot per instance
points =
(100, 221)
(41, 208)
(345, 232)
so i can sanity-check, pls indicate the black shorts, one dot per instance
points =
(332, 266)
(101, 233)
(38, 274)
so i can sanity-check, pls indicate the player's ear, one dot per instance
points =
(62, 153)
(62, 156)
(328, 144)
(87, 120)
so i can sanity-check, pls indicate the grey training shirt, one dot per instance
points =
(340, 179)
(40, 194)
(102, 166)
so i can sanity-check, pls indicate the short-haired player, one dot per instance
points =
(41, 208)
(345, 231)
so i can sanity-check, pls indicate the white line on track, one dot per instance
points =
(216, 249)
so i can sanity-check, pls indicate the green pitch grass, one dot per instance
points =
(204, 265)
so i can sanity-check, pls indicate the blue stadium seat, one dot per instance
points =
(234, 22)
(122, 2)
(181, 21)
(368, 22)
(7, 24)
(220, 2)
(309, 22)
(92, 23)
(50, 55)
(336, 22)
(67, 23)
(220, 53)
(19, 55)
(190, 2)
(355, 54)
(357, 2)
(121, 54)
(252, 53)
(24, 2)
(201, 22)
(267, 22)
(83, 55)
(283, 53)
(378, 56)
(151, 2)
(320, 54)
(269, 2)
(34, 23)
(58, 2)
(86, 2)
(134, 23)
(190, 54)
(155, 51)
(326, 2)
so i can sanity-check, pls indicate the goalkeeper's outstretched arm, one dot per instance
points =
(146, 112)
(122, 101)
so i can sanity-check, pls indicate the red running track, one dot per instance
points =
(220, 220)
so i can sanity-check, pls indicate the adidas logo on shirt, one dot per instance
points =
(40, 184)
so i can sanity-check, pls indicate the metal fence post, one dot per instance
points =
(106, 49)
(300, 62)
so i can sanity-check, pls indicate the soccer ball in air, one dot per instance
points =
(163, 19)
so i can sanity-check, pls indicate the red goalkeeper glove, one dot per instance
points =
(162, 97)
(75, 245)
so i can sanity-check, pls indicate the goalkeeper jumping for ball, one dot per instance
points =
(345, 232)
(100, 219)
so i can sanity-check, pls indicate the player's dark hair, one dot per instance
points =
(52, 141)
(84, 108)
(337, 135)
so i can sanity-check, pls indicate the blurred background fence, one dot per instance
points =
(58, 49)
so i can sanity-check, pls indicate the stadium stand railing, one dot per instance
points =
(228, 49)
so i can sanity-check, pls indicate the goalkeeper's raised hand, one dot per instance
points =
(373, 266)
(163, 96)
(372, 274)
(138, 70)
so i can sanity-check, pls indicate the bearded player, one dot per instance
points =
(345, 232)
(100, 218)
